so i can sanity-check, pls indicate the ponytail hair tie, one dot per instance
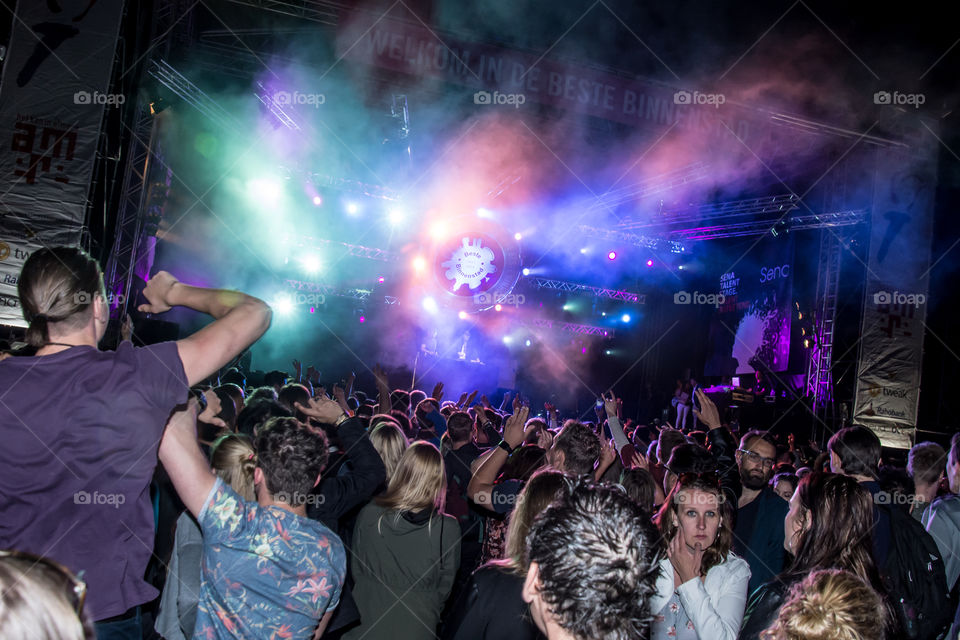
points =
(250, 457)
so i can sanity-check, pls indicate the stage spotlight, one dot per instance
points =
(462, 315)
(362, 319)
(380, 279)
(485, 213)
(317, 200)
(311, 264)
(584, 251)
(607, 352)
(430, 305)
(583, 350)
(313, 309)
(527, 343)
(266, 190)
(507, 340)
(526, 271)
(680, 267)
(625, 317)
(283, 305)
(353, 208)
(517, 236)
(497, 307)
(396, 216)
(612, 255)
(649, 263)
(438, 230)
(419, 263)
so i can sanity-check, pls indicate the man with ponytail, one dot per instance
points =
(81, 427)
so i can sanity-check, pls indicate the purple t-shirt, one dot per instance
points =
(79, 432)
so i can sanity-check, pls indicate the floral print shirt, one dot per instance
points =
(267, 572)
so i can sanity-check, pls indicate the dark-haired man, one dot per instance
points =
(926, 464)
(267, 568)
(593, 567)
(574, 451)
(855, 452)
(758, 534)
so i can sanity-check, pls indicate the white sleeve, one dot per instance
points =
(718, 615)
(616, 430)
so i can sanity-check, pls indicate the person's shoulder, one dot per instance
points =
(949, 503)
(736, 567)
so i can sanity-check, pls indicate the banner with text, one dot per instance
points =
(52, 96)
(510, 78)
(895, 310)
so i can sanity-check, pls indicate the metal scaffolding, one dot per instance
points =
(599, 292)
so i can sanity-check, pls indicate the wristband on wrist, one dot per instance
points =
(506, 447)
(201, 400)
(343, 417)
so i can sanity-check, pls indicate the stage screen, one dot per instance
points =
(750, 329)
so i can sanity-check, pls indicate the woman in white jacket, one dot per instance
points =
(702, 588)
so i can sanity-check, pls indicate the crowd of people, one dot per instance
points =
(150, 492)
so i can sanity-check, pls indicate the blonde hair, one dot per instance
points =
(419, 482)
(829, 604)
(233, 459)
(388, 439)
(541, 490)
(36, 602)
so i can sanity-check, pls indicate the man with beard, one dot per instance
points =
(758, 534)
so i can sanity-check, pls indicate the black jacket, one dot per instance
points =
(764, 606)
(338, 494)
(491, 607)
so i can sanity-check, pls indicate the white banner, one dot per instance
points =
(52, 96)
(891, 351)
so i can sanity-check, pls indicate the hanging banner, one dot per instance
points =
(895, 309)
(52, 96)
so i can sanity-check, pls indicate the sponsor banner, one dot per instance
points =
(750, 329)
(52, 95)
(891, 350)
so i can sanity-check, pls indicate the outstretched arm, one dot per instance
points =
(183, 460)
(239, 321)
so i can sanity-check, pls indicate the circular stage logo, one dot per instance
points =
(473, 264)
(476, 264)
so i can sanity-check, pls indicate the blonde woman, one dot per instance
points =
(491, 607)
(405, 552)
(41, 600)
(233, 459)
(829, 604)
(390, 443)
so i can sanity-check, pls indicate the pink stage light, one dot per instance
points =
(362, 319)
(380, 279)
(317, 200)
(497, 308)
(649, 263)
(612, 255)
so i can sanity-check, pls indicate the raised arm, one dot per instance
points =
(181, 457)
(239, 321)
(480, 489)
